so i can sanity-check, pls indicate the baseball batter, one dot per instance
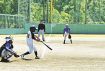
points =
(30, 38)
(41, 29)
(66, 33)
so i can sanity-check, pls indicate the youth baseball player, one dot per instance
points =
(7, 50)
(66, 33)
(41, 29)
(30, 38)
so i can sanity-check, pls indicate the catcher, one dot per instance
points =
(7, 50)
(66, 33)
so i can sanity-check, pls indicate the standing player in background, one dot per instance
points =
(30, 38)
(41, 29)
(66, 33)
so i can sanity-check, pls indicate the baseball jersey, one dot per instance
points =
(30, 36)
(41, 27)
(8, 46)
(67, 30)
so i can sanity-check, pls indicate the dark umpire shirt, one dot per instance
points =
(41, 27)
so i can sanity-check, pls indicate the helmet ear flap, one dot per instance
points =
(32, 29)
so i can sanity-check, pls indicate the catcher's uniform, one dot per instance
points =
(7, 52)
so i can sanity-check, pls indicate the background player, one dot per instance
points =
(30, 38)
(66, 33)
(41, 29)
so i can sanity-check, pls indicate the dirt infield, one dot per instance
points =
(87, 53)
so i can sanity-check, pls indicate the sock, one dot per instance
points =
(64, 41)
(35, 53)
(26, 53)
(71, 41)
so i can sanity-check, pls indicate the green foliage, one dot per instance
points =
(64, 17)
(56, 16)
(64, 11)
(37, 12)
(8, 6)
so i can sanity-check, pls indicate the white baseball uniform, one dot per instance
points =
(30, 43)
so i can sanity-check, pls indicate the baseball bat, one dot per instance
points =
(47, 45)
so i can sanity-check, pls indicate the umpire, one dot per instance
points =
(41, 29)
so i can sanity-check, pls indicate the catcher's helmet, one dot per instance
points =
(8, 38)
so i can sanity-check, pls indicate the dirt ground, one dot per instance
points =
(87, 53)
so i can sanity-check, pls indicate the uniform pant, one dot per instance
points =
(65, 35)
(6, 54)
(41, 32)
(31, 46)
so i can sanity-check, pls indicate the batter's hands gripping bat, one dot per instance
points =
(46, 45)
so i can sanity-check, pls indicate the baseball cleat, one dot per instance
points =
(37, 58)
(4, 60)
(43, 40)
(22, 56)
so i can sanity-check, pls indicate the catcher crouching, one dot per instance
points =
(7, 50)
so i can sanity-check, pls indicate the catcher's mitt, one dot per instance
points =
(69, 36)
(15, 55)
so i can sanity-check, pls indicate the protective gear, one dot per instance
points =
(6, 50)
(6, 55)
(3, 47)
(4, 60)
(33, 28)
